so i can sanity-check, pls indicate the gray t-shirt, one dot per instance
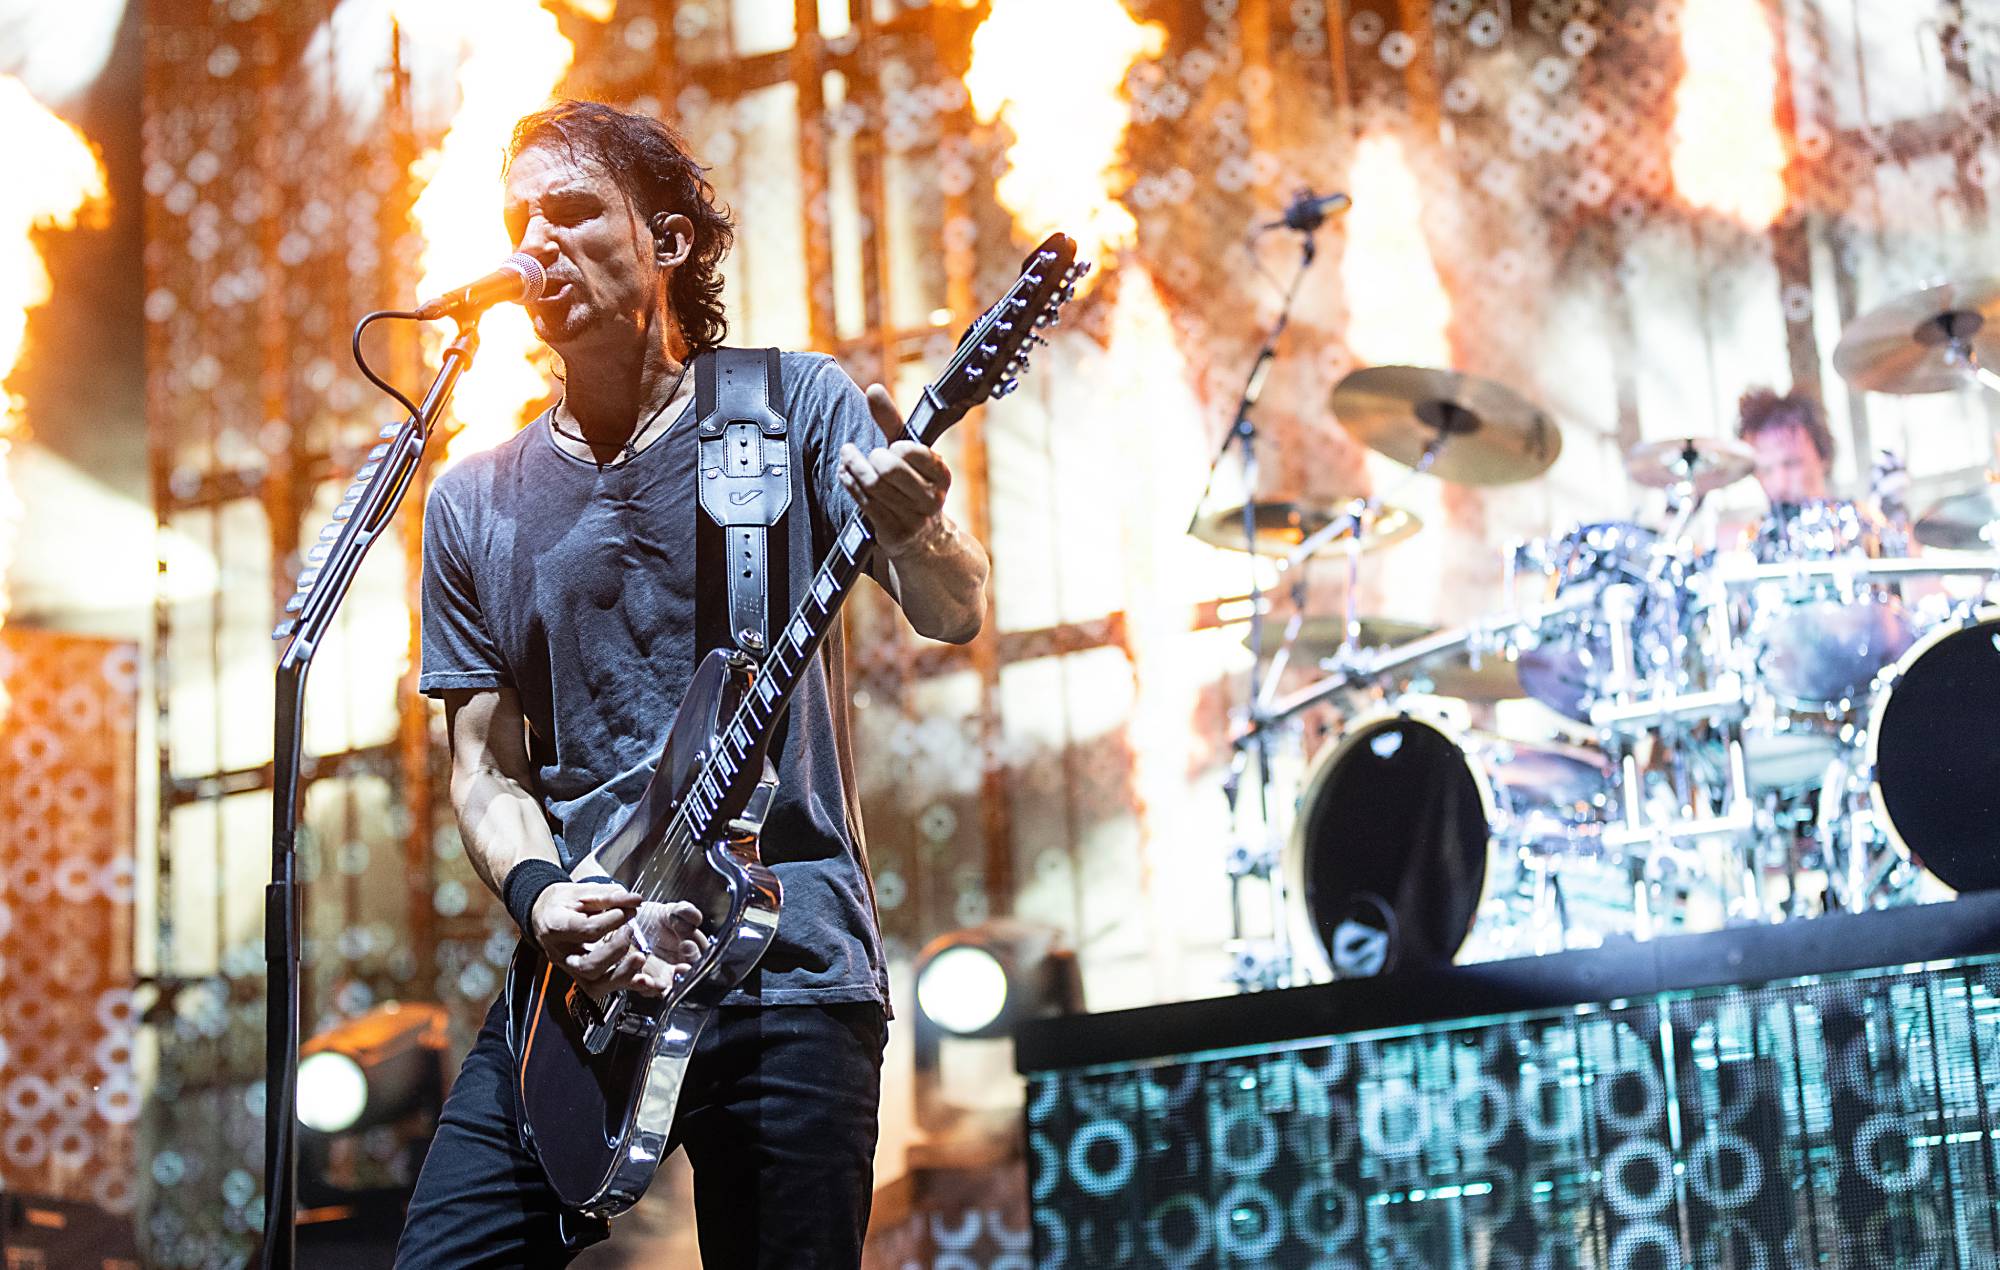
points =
(574, 585)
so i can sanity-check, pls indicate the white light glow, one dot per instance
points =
(333, 1092)
(963, 989)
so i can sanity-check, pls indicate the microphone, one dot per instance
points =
(519, 278)
(1308, 211)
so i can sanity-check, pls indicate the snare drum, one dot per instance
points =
(1411, 830)
(1818, 643)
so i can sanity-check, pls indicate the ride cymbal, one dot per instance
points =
(1282, 526)
(1703, 463)
(1917, 343)
(1484, 433)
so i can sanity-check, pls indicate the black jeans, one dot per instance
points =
(778, 1117)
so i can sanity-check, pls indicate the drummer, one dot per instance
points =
(1793, 445)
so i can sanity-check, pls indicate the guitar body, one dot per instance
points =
(598, 1084)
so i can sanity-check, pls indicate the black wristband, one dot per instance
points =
(524, 885)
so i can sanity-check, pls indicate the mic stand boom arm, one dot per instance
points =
(328, 572)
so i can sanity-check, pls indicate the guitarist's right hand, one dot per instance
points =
(571, 920)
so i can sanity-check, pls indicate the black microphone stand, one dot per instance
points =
(1243, 434)
(325, 576)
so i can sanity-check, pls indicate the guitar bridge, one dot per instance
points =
(602, 1022)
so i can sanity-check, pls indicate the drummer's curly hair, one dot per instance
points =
(1762, 409)
(653, 165)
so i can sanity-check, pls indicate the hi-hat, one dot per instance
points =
(1963, 522)
(1699, 464)
(1448, 674)
(1917, 342)
(1320, 637)
(1281, 526)
(1484, 433)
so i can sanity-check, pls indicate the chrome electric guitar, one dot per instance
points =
(598, 1076)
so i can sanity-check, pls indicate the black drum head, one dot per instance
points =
(1937, 757)
(1393, 842)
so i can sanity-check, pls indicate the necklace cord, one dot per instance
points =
(632, 441)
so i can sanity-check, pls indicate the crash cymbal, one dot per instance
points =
(1488, 434)
(1705, 463)
(1282, 526)
(1963, 522)
(1913, 343)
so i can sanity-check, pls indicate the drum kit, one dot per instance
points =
(1805, 722)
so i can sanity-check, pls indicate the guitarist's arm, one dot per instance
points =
(936, 571)
(581, 926)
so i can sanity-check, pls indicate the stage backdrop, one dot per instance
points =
(1625, 212)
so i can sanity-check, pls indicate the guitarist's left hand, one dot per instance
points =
(899, 486)
(936, 573)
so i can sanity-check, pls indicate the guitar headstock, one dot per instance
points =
(993, 352)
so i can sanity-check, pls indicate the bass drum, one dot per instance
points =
(1934, 751)
(1410, 831)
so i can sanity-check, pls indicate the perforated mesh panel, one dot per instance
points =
(1844, 1122)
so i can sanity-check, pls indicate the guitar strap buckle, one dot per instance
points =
(745, 486)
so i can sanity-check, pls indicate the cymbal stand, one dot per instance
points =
(1259, 963)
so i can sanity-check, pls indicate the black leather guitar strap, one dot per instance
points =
(745, 491)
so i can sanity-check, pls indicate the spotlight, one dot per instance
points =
(985, 979)
(373, 1069)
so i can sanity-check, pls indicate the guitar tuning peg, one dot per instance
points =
(390, 429)
(367, 470)
(307, 577)
(284, 628)
(343, 511)
(296, 603)
(379, 453)
(318, 554)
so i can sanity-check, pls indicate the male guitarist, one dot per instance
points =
(559, 628)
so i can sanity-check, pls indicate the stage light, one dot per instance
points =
(333, 1092)
(981, 981)
(373, 1069)
(963, 989)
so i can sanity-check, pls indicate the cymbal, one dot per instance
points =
(1907, 344)
(1706, 463)
(1487, 433)
(1319, 637)
(1448, 674)
(1963, 522)
(1282, 526)
(1453, 675)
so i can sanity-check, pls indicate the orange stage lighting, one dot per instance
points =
(1728, 155)
(67, 180)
